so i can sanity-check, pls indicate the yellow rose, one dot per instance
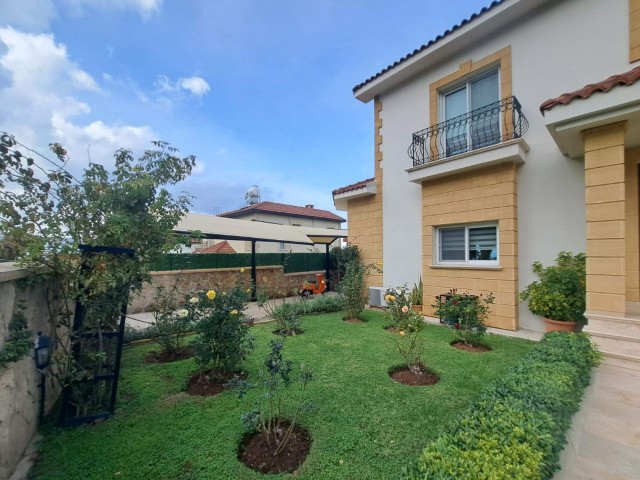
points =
(242, 270)
(248, 290)
(211, 294)
(401, 333)
(391, 298)
(224, 294)
(234, 312)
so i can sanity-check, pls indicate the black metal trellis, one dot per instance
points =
(96, 343)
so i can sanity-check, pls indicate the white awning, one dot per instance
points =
(222, 228)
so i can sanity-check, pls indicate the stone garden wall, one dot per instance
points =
(19, 391)
(271, 279)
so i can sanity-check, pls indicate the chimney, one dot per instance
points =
(308, 206)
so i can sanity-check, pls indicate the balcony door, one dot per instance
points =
(473, 122)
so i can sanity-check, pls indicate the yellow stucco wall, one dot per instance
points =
(632, 239)
(488, 195)
(365, 214)
(605, 197)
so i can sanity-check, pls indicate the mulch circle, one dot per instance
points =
(406, 377)
(166, 357)
(353, 320)
(470, 348)
(257, 454)
(288, 333)
(211, 382)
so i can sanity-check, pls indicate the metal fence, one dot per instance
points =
(292, 262)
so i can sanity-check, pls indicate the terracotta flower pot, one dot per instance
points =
(559, 326)
(417, 308)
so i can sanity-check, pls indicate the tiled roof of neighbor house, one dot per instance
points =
(626, 79)
(430, 43)
(221, 247)
(284, 209)
(353, 186)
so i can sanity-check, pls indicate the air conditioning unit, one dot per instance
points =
(376, 297)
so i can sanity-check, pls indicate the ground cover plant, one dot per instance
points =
(517, 428)
(364, 424)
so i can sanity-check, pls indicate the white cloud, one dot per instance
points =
(196, 85)
(146, 8)
(48, 94)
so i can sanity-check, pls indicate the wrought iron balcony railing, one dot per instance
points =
(489, 125)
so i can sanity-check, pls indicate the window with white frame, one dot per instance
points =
(483, 129)
(473, 244)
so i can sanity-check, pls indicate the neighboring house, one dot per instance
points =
(220, 247)
(282, 214)
(477, 174)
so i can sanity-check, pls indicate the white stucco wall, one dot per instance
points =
(561, 47)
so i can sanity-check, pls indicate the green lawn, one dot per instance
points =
(363, 418)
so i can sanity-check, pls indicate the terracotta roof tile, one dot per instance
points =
(221, 247)
(430, 43)
(284, 209)
(623, 79)
(353, 186)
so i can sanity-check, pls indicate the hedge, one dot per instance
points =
(517, 428)
(292, 262)
(321, 304)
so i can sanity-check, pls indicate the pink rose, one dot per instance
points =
(405, 309)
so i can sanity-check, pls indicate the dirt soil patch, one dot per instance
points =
(353, 320)
(211, 382)
(406, 377)
(167, 357)
(470, 348)
(257, 454)
(288, 333)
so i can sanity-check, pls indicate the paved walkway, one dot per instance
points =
(604, 440)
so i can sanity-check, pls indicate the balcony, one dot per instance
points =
(493, 124)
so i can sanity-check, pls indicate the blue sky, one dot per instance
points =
(259, 90)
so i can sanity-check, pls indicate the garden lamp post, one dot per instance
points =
(42, 355)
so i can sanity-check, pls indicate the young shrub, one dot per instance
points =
(223, 340)
(467, 314)
(171, 324)
(411, 347)
(399, 313)
(284, 314)
(279, 410)
(560, 292)
(353, 288)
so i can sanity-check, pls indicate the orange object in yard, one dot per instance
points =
(313, 285)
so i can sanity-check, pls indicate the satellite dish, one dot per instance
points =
(253, 195)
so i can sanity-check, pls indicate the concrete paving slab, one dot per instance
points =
(604, 439)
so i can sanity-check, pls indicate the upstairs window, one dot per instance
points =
(468, 244)
(468, 132)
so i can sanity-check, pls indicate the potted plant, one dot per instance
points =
(559, 296)
(416, 297)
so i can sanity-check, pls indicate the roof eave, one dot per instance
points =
(464, 37)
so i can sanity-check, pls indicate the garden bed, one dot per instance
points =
(364, 425)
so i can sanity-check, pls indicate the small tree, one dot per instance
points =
(410, 346)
